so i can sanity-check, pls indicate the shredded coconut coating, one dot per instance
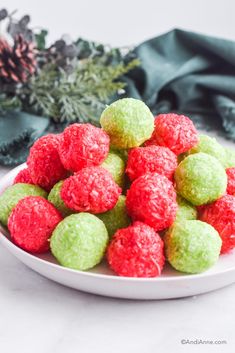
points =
(230, 158)
(117, 217)
(231, 181)
(79, 241)
(128, 122)
(177, 132)
(32, 222)
(92, 189)
(83, 145)
(209, 145)
(136, 251)
(142, 160)
(152, 200)
(221, 215)
(200, 210)
(55, 198)
(192, 246)
(123, 154)
(13, 194)
(200, 179)
(185, 210)
(116, 166)
(44, 163)
(23, 177)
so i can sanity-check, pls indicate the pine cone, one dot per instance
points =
(17, 63)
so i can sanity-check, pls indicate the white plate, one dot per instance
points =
(102, 281)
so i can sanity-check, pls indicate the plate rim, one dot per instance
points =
(7, 243)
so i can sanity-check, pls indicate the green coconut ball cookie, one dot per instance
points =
(128, 122)
(209, 145)
(13, 194)
(192, 246)
(186, 211)
(56, 200)
(230, 158)
(181, 157)
(200, 179)
(116, 166)
(123, 154)
(79, 241)
(117, 217)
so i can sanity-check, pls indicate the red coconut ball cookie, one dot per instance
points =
(177, 132)
(92, 189)
(221, 215)
(32, 222)
(152, 200)
(231, 181)
(136, 251)
(23, 177)
(142, 160)
(83, 145)
(44, 163)
(200, 210)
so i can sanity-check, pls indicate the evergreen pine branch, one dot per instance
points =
(79, 96)
(9, 103)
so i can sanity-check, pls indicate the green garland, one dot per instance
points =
(72, 81)
(81, 94)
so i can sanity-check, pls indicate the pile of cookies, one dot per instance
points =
(133, 192)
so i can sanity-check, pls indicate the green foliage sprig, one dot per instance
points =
(67, 81)
(77, 96)
(9, 103)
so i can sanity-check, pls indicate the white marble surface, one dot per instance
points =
(127, 22)
(40, 316)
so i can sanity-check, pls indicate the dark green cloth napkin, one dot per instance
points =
(188, 73)
(17, 133)
(180, 71)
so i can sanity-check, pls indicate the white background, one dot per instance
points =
(39, 316)
(125, 22)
